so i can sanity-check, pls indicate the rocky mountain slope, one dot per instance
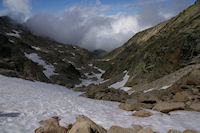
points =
(31, 57)
(156, 52)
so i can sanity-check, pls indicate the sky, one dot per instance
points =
(91, 24)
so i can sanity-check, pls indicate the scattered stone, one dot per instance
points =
(51, 126)
(117, 129)
(128, 107)
(188, 103)
(142, 113)
(173, 131)
(104, 93)
(185, 87)
(85, 125)
(190, 131)
(166, 107)
(195, 107)
(195, 91)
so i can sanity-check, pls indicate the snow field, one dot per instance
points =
(24, 103)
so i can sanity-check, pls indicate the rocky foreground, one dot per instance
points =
(84, 125)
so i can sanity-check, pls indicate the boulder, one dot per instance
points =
(147, 106)
(166, 107)
(132, 101)
(137, 127)
(85, 125)
(146, 130)
(173, 131)
(194, 77)
(128, 107)
(117, 129)
(181, 96)
(195, 107)
(190, 131)
(51, 126)
(195, 91)
(147, 100)
(142, 113)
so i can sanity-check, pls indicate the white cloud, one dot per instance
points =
(17, 5)
(87, 27)
(16, 9)
(98, 2)
(84, 26)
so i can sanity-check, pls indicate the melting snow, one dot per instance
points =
(145, 91)
(126, 88)
(162, 88)
(24, 103)
(60, 51)
(89, 80)
(11, 41)
(36, 48)
(15, 34)
(73, 54)
(49, 69)
(120, 84)
(165, 87)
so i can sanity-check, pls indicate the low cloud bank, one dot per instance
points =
(89, 27)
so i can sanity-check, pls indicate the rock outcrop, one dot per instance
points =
(51, 126)
(85, 125)
(104, 93)
(190, 131)
(166, 107)
(142, 113)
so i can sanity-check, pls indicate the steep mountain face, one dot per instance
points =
(158, 51)
(27, 56)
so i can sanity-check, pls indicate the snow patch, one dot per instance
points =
(90, 77)
(11, 41)
(36, 101)
(151, 89)
(15, 34)
(125, 88)
(36, 48)
(121, 84)
(162, 88)
(165, 87)
(60, 51)
(49, 69)
(70, 62)
(73, 54)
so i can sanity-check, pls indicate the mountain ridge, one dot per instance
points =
(31, 57)
(157, 51)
